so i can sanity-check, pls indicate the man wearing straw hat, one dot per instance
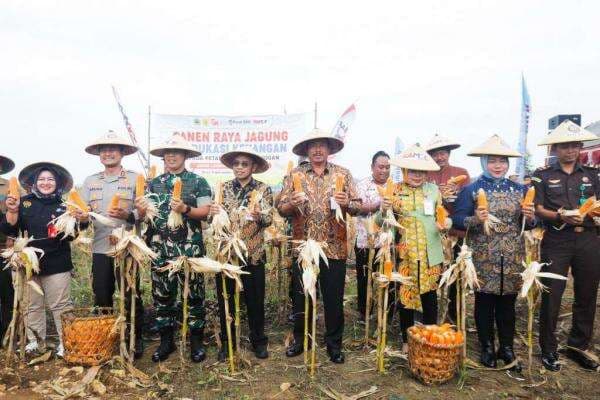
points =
(6, 287)
(313, 214)
(98, 190)
(440, 148)
(248, 203)
(569, 241)
(173, 242)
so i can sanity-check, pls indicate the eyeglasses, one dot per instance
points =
(243, 164)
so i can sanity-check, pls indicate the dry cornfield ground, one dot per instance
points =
(283, 378)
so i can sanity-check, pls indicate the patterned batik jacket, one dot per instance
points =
(235, 202)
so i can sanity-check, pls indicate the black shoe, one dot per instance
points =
(550, 362)
(582, 360)
(260, 351)
(488, 356)
(138, 351)
(291, 318)
(506, 354)
(166, 347)
(198, 353)
(336, 356)
(294, 350)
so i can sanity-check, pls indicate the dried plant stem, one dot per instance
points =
(313, 350)
(132, 311)
(227, 324)
(381, 363)
(369, 296)
(186, 311)
(123, 323)
(305, 346)
(17, 317)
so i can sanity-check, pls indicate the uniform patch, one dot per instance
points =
(27, 204)
(536, 179)
(585, 179)
(553, 180)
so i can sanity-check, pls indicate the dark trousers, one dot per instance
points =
(452, 287)
(501, 308)
(429, 303)
(331, 282)
(6, 299)
(254, 297)
(362, 272)
(105, 279)
(580, 251)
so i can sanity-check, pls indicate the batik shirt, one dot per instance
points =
(235, 202)
(186, 239)
(315, 219)
(368, 193)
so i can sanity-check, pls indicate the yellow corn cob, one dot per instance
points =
(381, 191)
(290, 166)
(140, 184)
(528, 199)
(387, 269)
(389, 188)
(339, 183)
(587, 206)
(440, 215)
(252, 200)
(482, 202)
(152, 172)
(297, 177)
(13, 188)
(76, 199)
(114, 202)
(219, 193)
(457, 180)
(177, 186)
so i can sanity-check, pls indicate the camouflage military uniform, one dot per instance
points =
(170, 244)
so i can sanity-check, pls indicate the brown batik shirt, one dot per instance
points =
(252, 232)
(315, 218)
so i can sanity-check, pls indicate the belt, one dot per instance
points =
(575, 229)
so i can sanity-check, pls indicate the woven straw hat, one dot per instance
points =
(300, 148)
(261, 164)
(415, 158)
(441, 142)
(28, 174)
(567, 132)
(6, 164)
(111, 138)
(175, 142)
(494, 146)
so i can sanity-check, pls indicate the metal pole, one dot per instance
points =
(315, 115)
(149, 130)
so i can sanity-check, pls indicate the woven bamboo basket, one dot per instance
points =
(433, 364)
(89, 335)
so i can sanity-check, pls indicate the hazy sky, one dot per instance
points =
(413, 68)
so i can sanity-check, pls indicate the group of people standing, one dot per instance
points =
(570, 242)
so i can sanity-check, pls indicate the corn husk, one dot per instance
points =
(175, 219)
(310, 252)
(456, 180)
(464, 264)
(22, 256)
(68, 225)
(128, 243)
(209, 266)
(531, 277)
(384, 279)
(221, 224)
(230, 245)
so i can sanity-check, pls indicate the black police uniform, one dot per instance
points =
(577, 247)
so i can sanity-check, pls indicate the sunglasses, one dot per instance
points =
(243, 164)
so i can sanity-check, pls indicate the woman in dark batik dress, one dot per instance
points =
(497, 256)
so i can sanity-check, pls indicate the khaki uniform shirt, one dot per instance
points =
(98, 191)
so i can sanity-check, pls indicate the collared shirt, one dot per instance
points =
(368, 193)
(187, 239)
(315, 218)
(98, 191)
(252, 232)
(555, 189)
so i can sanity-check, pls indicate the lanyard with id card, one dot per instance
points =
(428, 206)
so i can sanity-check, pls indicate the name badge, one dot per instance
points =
(428, 207)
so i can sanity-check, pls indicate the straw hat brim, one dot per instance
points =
(493, 152)
(448, 147)
(585, 137)
(6, 165)
(415, 165)
(262, 165)
(160, 151)
(94, 149)
(27, 175)
(301, 148)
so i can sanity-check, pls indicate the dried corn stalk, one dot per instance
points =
(23, 260)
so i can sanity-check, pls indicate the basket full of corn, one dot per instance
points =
(90, 335)
(434, 352)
